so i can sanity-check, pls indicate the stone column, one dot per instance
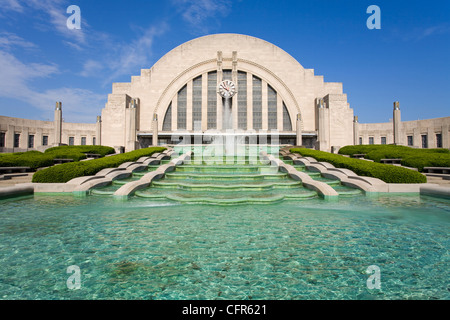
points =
(355, 131)
(155, 130)
(324, 126)
(58, 123)
(98, 131)
(397, 123)
(131, 127)
(445, 137)
(299, 141)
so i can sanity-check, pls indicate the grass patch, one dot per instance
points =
(384, 172)
(65, 172)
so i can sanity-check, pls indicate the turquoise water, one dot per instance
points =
(145, 249)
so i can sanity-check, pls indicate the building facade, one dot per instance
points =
(178, 99)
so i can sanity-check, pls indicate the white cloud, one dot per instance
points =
(16, 78)
(13, 5)
(9, 40)
(196, 12)
(133, 55)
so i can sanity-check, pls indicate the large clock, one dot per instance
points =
(227, 89)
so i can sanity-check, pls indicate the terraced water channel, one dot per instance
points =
(227, 181)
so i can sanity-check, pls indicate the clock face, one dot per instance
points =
(227, 89)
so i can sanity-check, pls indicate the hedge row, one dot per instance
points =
(411, 157)
(32, 159)
(385, 172)
(36, 159)
(65, 172)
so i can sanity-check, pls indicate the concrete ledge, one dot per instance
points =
(151, 161)
(404, 187)
(51, 187)
(435, 191)
(347, 172)
(125, 165)
(92, 184)
(81, 180)
(137, 167)
(119, 175)
(15, 191)
(107, 171)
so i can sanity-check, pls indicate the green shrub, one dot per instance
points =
(385, 172)
(65, 172)
(102, 150)
(411, 157)
(32, 159)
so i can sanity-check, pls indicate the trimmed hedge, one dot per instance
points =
(387, 173)
(32, 159)
(411, 157)
(65, 172)
(102, 150)
(36, 159)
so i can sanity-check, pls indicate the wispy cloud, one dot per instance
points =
(421, 33)
(16, 82)
(197, 12)
(13, 5)
(9, 40)
(52, 14)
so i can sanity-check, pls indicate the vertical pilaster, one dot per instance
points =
(219, 98)
(298, 129)
(58, 123)
(355, 131)
(397, 122)
(324, 126)
(98, 131)
(155, 130)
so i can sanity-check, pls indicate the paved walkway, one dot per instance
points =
(16, 180)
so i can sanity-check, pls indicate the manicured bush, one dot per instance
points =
(411, 157)
(65, 172)
(385, 172)
(102, 150)
(32, 159)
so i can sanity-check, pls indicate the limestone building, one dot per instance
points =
(223, 84)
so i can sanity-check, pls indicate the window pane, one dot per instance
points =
(383, 140)
(16, 140)
(45, 140)
(272, 108)
(410, 141)
(167, 124)
(30, 141)
(438, 140)
(94, 141)
(197, 103)
(424, 141)
(83, 141)
(257, 103)
(287, 124)
(370, 140)
(242, 100)
(182, 104)
(71, 141)
(226, 74)
(2, 139)
(212, 100)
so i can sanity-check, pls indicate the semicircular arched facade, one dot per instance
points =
(274, 94)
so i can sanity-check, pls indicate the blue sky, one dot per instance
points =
(42, 61)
